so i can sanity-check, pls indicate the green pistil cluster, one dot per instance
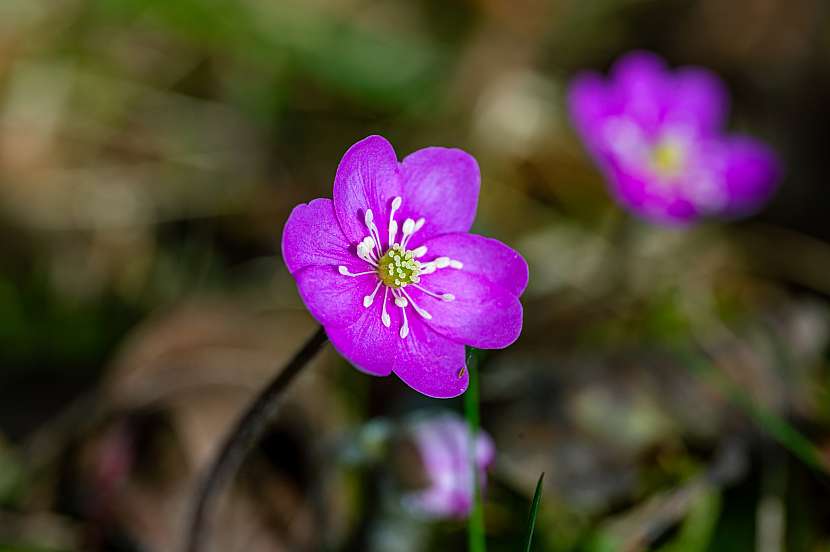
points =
(398, 268)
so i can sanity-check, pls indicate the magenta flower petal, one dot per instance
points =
(392, 295)
(312, 237)
(482, 314)
(330, 297)
(642, 89)
(589, 107)
(699, 100)
(657, 204)
(367, 344)
(441, 185)
(484, 257)
(367, 178)
(751, 170)
(432, 364)
(656, 136)
(429, 363)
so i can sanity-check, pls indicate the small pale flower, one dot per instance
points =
(658, 137)
(389, 269)
(444, 446)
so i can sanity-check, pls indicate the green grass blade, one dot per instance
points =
(475, 526)
(534, 511)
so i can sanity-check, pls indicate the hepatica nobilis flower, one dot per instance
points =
(658, 137)
(389, 269)
(447, 453)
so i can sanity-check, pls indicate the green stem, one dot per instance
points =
(475, 526)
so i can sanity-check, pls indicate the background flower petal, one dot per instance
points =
(589, 105)
(333, 299)
(367, 178)
(441, 185)
(312, 237)
(640, 79)
(482, 315)
(485, 257)
(751, 172)
(699, 100)
(667, 206)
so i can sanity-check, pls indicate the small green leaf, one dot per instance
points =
(534, 511)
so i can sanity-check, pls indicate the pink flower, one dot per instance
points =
(658, 137)
(444, 445)
(389, 269)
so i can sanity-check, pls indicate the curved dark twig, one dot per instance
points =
(241, 439)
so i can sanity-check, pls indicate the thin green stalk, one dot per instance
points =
(534, 511)
(475, 526)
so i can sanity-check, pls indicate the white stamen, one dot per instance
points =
(442, 262)
(401, 301)
(458, 265)
(366, 253)
(384, 316)
(369, 243)
(393, 231)
(443, 296)
(393, 225)
(369, 219)
(409, 228)
(424, 314)
(369, 299)
(345, 272)
(405, 327)
(419, 251)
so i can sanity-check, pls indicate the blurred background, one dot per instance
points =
(672, 384)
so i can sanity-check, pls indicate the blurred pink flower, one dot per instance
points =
(444, 445)
(658, 137)
(405, 297)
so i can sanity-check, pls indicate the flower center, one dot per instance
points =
(668, 158)
(398, 267)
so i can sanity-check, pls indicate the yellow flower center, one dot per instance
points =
(398, 267)
(668, 158)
